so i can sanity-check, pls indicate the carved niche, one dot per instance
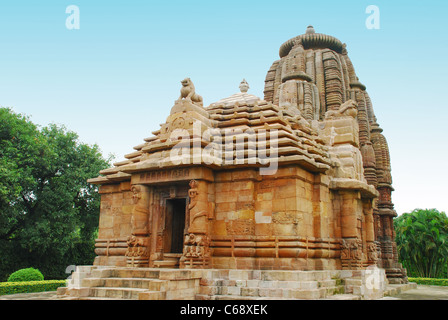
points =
(372, 252)
(351, 252)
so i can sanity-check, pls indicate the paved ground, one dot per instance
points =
(51, 295)
(421, 293)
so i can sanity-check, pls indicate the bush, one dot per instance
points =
(30, 286)
(430, 281)
(24, 275)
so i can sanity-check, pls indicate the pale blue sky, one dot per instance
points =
(114, 80)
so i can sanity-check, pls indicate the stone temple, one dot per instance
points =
(255, 189)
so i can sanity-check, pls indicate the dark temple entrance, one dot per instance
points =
(175, 225)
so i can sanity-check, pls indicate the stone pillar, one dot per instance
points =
(351, 244)
(196, 253)
(371, 243)
(137, 253)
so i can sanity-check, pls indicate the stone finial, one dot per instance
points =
(244, 86)
(310, 30)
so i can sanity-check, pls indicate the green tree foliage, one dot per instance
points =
(48, 211)
(422, 242)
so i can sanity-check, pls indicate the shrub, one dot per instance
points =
(430, 281)
(30, 286)
(28, 274)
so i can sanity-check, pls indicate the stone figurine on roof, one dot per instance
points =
(244, 86)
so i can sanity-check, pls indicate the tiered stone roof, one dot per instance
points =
(237, 116)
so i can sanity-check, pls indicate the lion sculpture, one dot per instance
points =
(188, 92)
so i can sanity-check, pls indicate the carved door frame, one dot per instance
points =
(166, 193)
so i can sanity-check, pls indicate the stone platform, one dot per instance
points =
(103, 283)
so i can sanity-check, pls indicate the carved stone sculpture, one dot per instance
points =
(188, 92)
(137, 252)
(140, 213)
(138, 241)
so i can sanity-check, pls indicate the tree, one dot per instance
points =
(422, 242)
(48, 212)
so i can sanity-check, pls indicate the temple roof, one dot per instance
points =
(312, 40)
(296, 140)
(241, 97)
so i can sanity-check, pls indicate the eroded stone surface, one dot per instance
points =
(325, 206)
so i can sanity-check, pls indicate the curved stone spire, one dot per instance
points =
(316, 76)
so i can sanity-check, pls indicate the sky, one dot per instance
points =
(114, 80)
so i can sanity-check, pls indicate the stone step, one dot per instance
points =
(268, 284)
(166, 263)
(148, 273)
(269, 275)
(332, 291)
(328, 283)
(293, 293)
(149, 284)
(393, 289)
(97, 298)
(152, 295)
(170, 260)
(136, 273)
(224, 297)
(172, 256)
(116, 293)
(139, 283)
(342, 297)
(272, 289)
(173, 283)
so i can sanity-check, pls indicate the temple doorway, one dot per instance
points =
(175, 225)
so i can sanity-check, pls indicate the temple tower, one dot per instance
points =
(316, 75)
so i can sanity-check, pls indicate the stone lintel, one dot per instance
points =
(387, 212)
(115, 187)
(118, 177)
(367, 191)
(110, 179)
(99, 181)
(173, 175)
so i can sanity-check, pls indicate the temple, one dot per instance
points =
(299, 180)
